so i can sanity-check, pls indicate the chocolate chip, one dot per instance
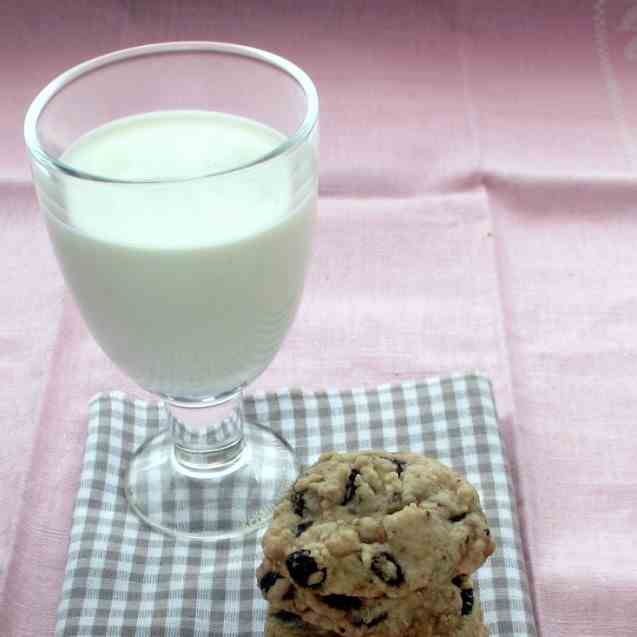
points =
(387, 569)
(342, 602)
(298, 502)
(350, 486)
(304, 570)
(458, 518)
(268, 581)
(400, 466)
(467, 600)
(287, 617)
(302, 527)
(487, 532)
(457, 580)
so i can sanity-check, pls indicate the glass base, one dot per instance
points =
(224, 500)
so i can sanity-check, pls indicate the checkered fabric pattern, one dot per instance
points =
(124, 579)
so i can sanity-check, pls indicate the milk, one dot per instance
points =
(189, 285)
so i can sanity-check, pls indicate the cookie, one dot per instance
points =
(285, 624)
(376, 524)
(355, 616)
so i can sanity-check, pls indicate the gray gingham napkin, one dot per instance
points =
(124, 579)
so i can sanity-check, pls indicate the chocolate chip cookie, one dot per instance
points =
(375, 524)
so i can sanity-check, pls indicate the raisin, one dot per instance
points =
(302, 566)
(287, 617)
(376, 620)
(381, 567)
(458, 518)
(298, 502)
(268, 581)
(467, 600)
(302, 527)
(350, 486)
(342, 602)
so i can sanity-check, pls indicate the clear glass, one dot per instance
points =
(186, 253)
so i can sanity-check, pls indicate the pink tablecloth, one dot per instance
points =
(478, 211)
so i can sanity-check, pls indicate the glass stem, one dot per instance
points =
(208, 437)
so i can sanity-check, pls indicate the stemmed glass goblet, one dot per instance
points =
(179, 185)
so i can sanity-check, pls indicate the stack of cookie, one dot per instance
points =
(375, 544)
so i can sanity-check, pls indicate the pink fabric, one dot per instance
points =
(478, 211)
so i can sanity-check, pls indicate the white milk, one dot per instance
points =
(189, 286)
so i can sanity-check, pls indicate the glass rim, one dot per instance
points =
(60, 81)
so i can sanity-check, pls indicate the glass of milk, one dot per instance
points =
(179, 185)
